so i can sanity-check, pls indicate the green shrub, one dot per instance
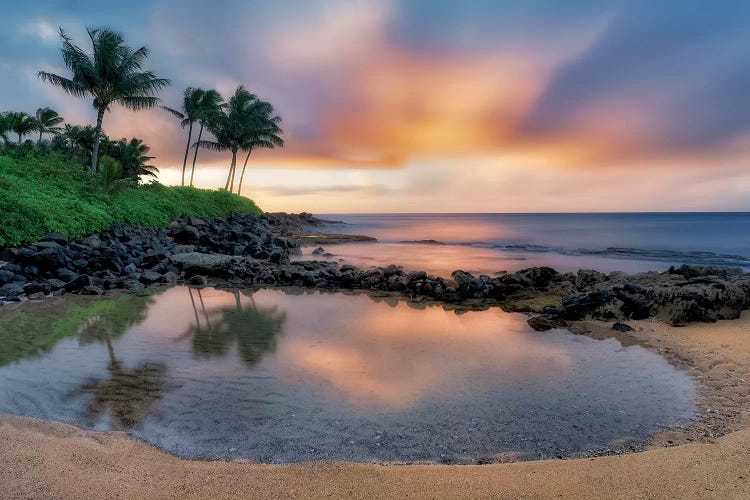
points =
(42, 193)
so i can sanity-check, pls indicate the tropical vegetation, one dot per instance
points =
(74, 179)
(44, 192)
(112, 73)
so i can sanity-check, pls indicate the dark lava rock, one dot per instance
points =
(544, 323)
(198, 280)
(170, 277)
(6, 277)
(319, 251)
(11, 291)
(150, 277)
(37, 286)
(186, 235)
(622, 327)
(58, 238)
(92, 290)
(50, 258)
(66, 275)
(580, 306)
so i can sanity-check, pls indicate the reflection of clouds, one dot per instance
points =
(398, 356)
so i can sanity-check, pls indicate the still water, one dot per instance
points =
(488, 243)
(286, 376)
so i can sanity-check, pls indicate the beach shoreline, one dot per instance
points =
(52, 460)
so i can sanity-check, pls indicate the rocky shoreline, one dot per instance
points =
(248, 250)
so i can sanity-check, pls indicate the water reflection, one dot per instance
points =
(293, 375)
(215, 330)
(126, 394)
(35, 328)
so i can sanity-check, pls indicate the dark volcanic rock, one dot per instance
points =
(622, 327)
(58, 238)
(543, 323)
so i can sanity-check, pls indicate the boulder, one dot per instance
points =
(11, 291)
(50, 258)
(622, 327)
(186, 235)
(149, 277)
(92, 290)
(6, 277)
(198, 280)
(543, 323)
(581, 306)
(319, 251)
(204, 264)
(58, 238)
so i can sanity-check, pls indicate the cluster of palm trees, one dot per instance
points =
(243, 123)
(113, 73)
(45, 121)
(77, 141)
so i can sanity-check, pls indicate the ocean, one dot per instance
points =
(490, 243)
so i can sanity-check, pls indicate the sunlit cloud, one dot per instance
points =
(438, 105)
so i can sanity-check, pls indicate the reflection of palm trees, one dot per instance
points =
(127, 393)
(253, 328)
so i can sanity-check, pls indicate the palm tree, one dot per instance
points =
(263, 132)
(229, 127)
(4, 127)
(21, 123)
(210, 107)
(111, 73)
(133, 157)
(191, 100)
(80, 139)
(47, 121)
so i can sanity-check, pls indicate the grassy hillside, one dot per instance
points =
(42, 193)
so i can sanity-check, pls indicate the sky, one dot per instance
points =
(435, 105)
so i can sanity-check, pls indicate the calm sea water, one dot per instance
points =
(288, 376)
(495, 242)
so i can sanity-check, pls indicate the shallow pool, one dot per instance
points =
(288, 376)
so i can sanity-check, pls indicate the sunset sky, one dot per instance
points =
(436, 105)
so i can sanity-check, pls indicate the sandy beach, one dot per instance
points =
(40, 459)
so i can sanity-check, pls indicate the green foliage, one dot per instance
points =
(30, 333)
(111, 73)
(42, 193)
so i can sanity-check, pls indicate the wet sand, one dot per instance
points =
(40, 459)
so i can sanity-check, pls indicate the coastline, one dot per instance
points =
(48, 459)
(706, 458)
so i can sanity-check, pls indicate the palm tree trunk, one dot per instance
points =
(187, 150)
(195, 310)
(231, 172)
(244, 166)
(19, 138)
(110, 350)
(95, 153)
(39, 142)
(195, 156)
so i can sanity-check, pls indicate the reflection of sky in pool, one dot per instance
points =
(280, 376)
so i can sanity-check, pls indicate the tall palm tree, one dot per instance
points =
(191, 99)
(262, 132)
(229, 127)
(21, 123)
(210, 107)
(47, 121)
(111, 73)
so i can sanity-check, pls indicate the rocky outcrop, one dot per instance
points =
(129, 257)
(245, 250)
